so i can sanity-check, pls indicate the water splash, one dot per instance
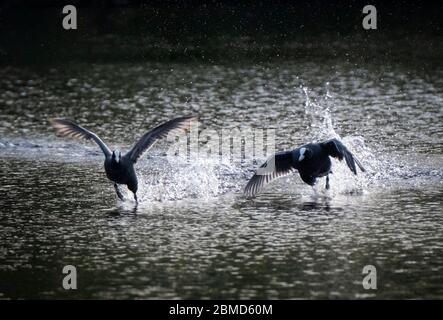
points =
(383, 169)
(320, 127)
(318, 115)
(200, 178)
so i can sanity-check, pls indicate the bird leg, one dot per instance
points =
(119, 194)
(135, 198)
(327, 182)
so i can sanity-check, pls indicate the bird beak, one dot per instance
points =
(302, 154)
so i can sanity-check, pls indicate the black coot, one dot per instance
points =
(311, 161)
(120, 168)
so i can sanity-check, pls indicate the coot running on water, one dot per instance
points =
(120, 168)
(311, 161)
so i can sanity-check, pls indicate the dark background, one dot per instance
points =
(124, 30)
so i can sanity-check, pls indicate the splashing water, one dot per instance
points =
(382, 169)
(205, 177)
(320, 127)
(318, 114)
(200, 178)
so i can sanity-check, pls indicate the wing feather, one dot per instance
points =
(277, 166)
(338, 150)
(68, 128)
(159, 132)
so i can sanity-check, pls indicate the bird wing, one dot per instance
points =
(152, 136)
(278, 165)
(68, 128)
(337, 150)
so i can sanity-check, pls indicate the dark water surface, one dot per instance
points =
(194, 235)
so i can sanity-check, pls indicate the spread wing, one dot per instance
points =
(162, 131)
(68, 128)
(337, 150)
(279, 165)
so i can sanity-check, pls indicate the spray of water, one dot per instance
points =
(320, 127)
(383, 169)
(196, 177)
(318, 116)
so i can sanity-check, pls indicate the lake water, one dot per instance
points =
(194, 235)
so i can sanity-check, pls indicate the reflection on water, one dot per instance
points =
(194, 235)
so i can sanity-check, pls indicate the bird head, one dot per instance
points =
(116, 155)
(304, 153)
